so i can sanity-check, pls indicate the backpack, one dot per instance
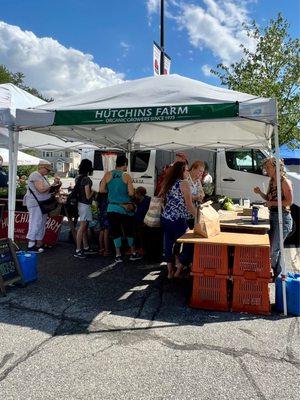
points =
(74, 196)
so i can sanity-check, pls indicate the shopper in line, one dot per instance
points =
(194, 178)
(120, 211)
(102, 201)
(271, 198)
(181, 157)
(3, 175)
(38, 189)
(178, 207)
(85, 198)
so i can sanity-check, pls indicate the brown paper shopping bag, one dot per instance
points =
(207, 221)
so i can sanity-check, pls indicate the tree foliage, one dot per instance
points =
(271, 71)
(17, 79)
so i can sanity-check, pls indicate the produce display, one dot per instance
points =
(227, 204)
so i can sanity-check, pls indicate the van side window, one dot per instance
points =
(245, 160)
(98, 164)
(139, 161)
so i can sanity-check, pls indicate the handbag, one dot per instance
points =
(152, 217)
(207, 221)
(74, 196)
(48, 205)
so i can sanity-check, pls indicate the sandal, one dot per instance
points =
(101, 252)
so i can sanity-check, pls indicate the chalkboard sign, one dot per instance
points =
(10, 271)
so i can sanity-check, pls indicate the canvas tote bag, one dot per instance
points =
(152, 218)
(207, 221)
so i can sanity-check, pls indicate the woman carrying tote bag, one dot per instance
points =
(178, 207)
(39, 190)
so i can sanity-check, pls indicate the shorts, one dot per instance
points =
(85, 212)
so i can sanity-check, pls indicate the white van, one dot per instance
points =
(235, 172)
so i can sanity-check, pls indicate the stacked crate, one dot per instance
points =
(251, 276)
(240, 285)
(210, 277)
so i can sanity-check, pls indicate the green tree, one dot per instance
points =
(271, 71)
(17, 79)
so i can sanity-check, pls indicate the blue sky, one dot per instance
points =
(66, 47)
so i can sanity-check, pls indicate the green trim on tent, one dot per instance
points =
(146, 114)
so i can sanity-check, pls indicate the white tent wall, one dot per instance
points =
(11, 98)
(22, 158)
(105, 117)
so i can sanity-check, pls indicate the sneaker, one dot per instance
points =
(135, 256)
(90, 251)
(118, 259)
(35, 249)
(79, 254)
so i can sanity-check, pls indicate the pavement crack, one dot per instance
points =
(24, 358)
(226, 350)
(293, 329)
(33, 351)
(251, 379)
(6, 358)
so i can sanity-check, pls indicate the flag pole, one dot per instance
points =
(162, 38)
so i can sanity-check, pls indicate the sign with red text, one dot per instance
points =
(53, 226)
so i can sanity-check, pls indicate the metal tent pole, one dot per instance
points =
(12, 185)
(278, 179)
(162, 38)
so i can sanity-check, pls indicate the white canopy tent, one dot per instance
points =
(22, 159)
(169, 112)
(161, 111)
(11, 98)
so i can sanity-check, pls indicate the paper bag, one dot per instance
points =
(207, 221)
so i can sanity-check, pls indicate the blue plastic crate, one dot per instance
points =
(28, 265)
(292, 293)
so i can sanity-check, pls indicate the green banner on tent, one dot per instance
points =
(146, 114)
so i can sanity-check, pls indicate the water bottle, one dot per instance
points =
(246, 203)
(254, 218)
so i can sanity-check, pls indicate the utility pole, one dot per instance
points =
(162, 38)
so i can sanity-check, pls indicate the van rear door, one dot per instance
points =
(142, 169)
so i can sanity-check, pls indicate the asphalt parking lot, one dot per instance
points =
(89, 329)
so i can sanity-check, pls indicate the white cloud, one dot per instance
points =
(51, 68)
(153, 6)
(206, 70)
(126, 47)
(216, 26)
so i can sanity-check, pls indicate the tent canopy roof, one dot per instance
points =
(170, 112)
(11, 98)
(23, 158)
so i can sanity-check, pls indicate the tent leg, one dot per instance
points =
(278, 179)
(13, 161)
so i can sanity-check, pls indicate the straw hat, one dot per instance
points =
(43, 164)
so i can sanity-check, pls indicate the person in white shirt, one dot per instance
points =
(39, 189)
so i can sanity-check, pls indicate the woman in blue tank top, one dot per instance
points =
(120, 211)
(178, 206)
